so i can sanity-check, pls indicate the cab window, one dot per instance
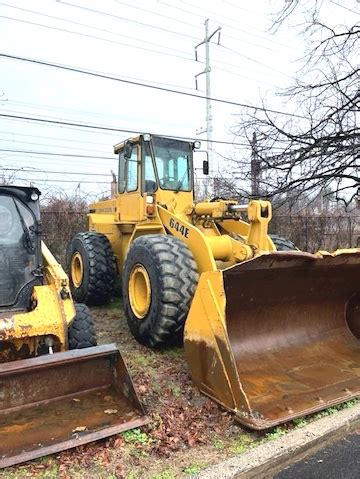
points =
(132, 171)
(172, 158)
(121, 175)
(149, 179)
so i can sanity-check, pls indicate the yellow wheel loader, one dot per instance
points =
(55, 383)
(270, 335)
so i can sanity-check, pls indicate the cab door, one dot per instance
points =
(131, 206)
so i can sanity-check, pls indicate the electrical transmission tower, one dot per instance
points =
(206, 71)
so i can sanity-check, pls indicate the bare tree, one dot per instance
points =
(317, 148)
(62, 217)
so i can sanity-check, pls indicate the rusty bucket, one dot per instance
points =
(55, 402)
(278, 337)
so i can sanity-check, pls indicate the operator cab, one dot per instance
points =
(153, 163)
(20, 258)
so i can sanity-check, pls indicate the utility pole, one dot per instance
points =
(255, 168)
(207, 71)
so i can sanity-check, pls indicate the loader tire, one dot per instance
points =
(81, 333)
(92, 270)
(159, 281)
(283, 244)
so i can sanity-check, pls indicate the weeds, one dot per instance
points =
(240, 444)
(275, 433)
(218, 443)
(300, 422)
(135, 436)
(194, 469)
(167, 474)
(175, 353)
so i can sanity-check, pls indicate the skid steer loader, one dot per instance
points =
(270, 335)
(56, 385)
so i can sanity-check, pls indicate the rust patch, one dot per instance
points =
(45, 399)
(293, 326)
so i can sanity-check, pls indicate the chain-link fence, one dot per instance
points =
(311, 233)
(59, 227)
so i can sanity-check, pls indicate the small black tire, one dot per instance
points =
(92, 269)
(172, 277)
(81, 332)
(283, 244)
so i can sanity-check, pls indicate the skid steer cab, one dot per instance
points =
(53, 377)
(270, 332)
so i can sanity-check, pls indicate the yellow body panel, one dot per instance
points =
(257, 315)
(206, 342)
(52, 315)
(48, 318)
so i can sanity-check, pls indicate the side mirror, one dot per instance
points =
(205, 167)
(127, 150)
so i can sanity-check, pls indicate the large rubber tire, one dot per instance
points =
(93, 255)
(172, 276)
(283, 244)
(81, 333)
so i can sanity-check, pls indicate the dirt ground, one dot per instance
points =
(187, 431)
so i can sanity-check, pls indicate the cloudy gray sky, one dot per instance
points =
(148, 42)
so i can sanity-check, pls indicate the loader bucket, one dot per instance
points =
(277, 337)
(55, 402)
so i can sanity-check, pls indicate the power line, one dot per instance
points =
(242, 76)
(159, 28)
(66, 162)
(169, 90)
(71, 140)
(39, 106)
(88, 26)
(64, 181)
(130, 20)
(95, 37)
(35, 170)
(52, 146)
(106, 128)
(247, 32)
(254, 60)
(346, 8)
(57, 154)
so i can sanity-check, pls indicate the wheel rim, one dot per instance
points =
(77, 269)
(139, 291)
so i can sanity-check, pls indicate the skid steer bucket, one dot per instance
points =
(60, 401)
(278, 337)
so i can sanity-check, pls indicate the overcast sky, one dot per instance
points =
(150, 42)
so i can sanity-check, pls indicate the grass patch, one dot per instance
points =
(240, 444)
(300, 422)
(136, 437)
(275, 433)
(141, 360)
(167, 474)
(175, 353)
(175, 389)
(44, 467)
(339, 407)
(218, 444)
(194, 468)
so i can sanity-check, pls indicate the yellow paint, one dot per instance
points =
(218, 236)
(47, 318)
(77, 269)
(52, 315)
(192, 237)
(139, 291)
(212, 365)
